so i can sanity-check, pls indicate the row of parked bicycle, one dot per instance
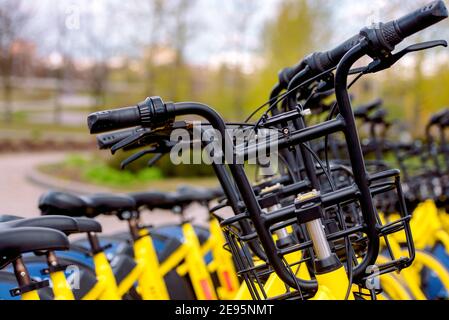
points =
(331, 218)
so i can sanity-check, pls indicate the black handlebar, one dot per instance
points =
(322, 61)
(319, 61)
(151, 113)
(420, 19)
(386, 35)
(109, 120)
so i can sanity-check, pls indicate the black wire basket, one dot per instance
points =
(344, 226)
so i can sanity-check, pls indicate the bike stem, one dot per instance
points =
(247, 192)
(361, 177)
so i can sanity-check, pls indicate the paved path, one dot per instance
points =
(19, 196)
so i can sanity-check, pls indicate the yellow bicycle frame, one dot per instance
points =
(194, 265)
(222, 263)
(151, 285)
(331, 286)
(61, 288)
(30, 295)
(427, 230)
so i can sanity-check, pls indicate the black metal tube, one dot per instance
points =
(245, 189)
(443, 146)
(290, 159)
(299, 123)
(233, 200)
(327, 200)
(431, 149)
(299, 136)
(356, 156)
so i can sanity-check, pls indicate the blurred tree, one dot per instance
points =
(179, 35)
(155, 30)
(149, 28)
(419, 79)
(299, 28)
(13, 19)
(242, 12)
(102, 43)
(61, 46)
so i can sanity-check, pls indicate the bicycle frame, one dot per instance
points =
(222, 262)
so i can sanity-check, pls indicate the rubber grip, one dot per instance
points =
(422, 18)
(329, 59)
(115, 119)
(319, 61)
(288, 73)
(395, 31)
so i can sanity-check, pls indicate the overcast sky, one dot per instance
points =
(215, 37)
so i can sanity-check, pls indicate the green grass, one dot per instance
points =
(95, 171)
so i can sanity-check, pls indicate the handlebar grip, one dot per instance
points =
(288, 73)
(319, 61)
(389, 34)
(322, 61)
(421, 18)
(115, 119)
(151, 112)
(106, 141)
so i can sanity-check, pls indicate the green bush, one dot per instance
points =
(103, 174)
(166, 167)
(76, 160)
(97, 171)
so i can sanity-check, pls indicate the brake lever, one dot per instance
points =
(385, 63)
(155, 159)
(135, 156)
(161, 149)
(130, 140)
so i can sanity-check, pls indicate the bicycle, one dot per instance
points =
(320, 233)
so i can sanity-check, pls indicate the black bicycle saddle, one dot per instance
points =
(88, 225)
(186, 195)
(9, 217)
(16, 241)
(109, 204)
(152, 200)
(62, 223)
(62, 203)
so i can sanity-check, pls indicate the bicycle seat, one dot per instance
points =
(88, 225)
(62, 203)
(16, 241)
(151, 199)
(8, 217)
(108, 204)
(186, 195)
(62, 223)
